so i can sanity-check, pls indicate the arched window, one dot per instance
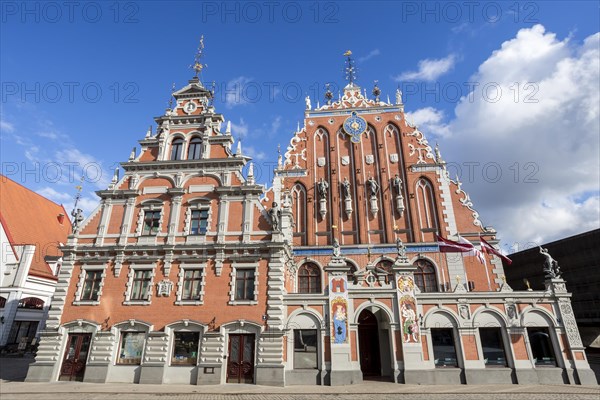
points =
(32, 303)
(2, 302)
(195, 149)
(309, 279)
(176, 149)
(426, 206)
(425, 277)
(299, 211)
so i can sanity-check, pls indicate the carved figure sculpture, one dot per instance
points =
(322, 188)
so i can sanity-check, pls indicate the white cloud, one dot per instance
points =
(429, 69)
(370, 55)
(544, 142)
(256, 155)
(6, 126)
(57, 197)
(240, 129)
(239, 91)
(429, 120)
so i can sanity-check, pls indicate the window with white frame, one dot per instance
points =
(195, 150)
(131, 348)
(89, 287)
(176, 149)
(139, 285)
(150, 219)
(190, 289)
(197, 218)
(244, 284)
(185, 348)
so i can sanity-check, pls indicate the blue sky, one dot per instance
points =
(81, 85)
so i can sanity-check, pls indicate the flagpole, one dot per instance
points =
(440, 264)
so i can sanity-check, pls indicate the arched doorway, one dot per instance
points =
(368, 342)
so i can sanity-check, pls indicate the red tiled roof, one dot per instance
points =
(30, 218)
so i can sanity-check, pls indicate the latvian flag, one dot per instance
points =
(449, 246)
(488, 248)
(474, 251)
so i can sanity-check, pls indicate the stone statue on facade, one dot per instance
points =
(337, 251)
(322, 188)
(77, 219)
(346, 188)
(400, 248)
(551, 268)
(308, 105)
(397, 184)
(373, 186)
(275, 214)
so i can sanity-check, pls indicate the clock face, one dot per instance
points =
(354, 126)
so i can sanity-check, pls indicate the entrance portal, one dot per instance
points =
(368, 342)
(240, 362)
(73, 365)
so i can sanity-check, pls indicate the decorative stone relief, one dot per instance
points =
(394, 158)
(338, 300)
(345, 160)
(463, 311)
(164, 288)
(408, 309)
(568, 318)
(369, 159)
(321, 161)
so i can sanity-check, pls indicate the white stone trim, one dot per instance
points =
(129, 285)
(81, 283)
(234, 267)
(181, 275)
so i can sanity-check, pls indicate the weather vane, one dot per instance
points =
(77, 213)
(350, 68)
(197, 66)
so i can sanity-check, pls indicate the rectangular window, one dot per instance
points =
(22, 329)
(493, 347)
(199, 222)
(541, 347)
(132, 346)
(244, 284)
(305, 349)
(91, 285)
(151, 222)
(192, 284)
(444, 351)
(185, 348)
(141, 284)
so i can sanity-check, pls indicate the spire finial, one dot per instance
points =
(279, 158)
(171, 97)
(350, 69)
(197, 66)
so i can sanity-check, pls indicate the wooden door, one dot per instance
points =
(76, 353)
(240, 361)
(368, 344)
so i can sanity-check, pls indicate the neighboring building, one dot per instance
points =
(579, 260)
(32, 228)
(184, 274)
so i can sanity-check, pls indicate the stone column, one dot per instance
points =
(577, 365)
(344, 371)
(408, 317)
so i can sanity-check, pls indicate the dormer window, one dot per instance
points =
(176, 149)
(195, 150)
